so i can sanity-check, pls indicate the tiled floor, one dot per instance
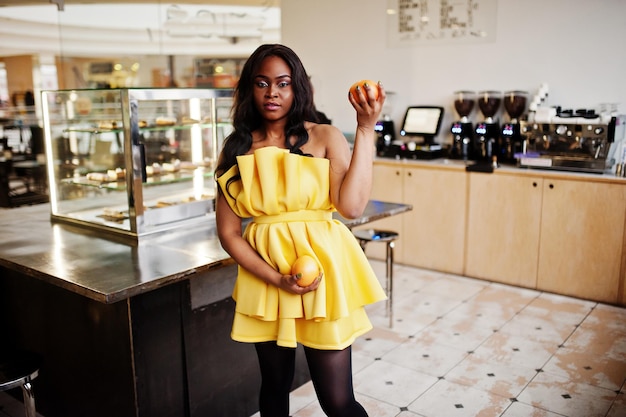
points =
(468, 348)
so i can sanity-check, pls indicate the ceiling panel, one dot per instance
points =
(123, 27)
(256, 3)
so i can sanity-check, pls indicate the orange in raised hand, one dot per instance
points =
(372, 84)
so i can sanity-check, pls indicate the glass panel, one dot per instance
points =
(133, 160)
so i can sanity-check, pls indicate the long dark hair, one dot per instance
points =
(246, 117)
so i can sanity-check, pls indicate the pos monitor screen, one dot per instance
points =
(423, 121)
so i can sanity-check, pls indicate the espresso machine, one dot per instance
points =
(568, 141)
(487, 132)
(463, 129)
(510, 136)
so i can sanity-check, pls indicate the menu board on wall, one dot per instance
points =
(413, 22)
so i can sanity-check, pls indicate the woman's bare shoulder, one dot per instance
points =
(325, 140)
(323, 131)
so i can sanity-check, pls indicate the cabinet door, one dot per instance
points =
(622, 286)
(504, 217)
(387, 186)
(434, 231)
(582, 235)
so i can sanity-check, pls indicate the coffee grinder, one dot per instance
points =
(511, 141)
(488, 131)
(385, 143)
(463, 130)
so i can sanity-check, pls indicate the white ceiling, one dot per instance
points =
(121, 28)
(256, 3)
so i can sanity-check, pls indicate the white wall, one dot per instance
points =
(577, 46)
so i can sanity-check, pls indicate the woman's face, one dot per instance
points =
(273, 93)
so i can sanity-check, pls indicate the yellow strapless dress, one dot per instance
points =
(287, 196)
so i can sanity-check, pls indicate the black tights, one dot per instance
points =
(331, 373)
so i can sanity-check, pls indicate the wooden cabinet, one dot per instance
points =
(432, 235)
(622, 286)
(581, 244)
(553, 231)
(435, 229)
(504, 215)
(557, 235)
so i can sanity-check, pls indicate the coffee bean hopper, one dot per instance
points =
(463, 129)
(511, 140)
(487, 132)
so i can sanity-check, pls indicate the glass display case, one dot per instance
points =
(133, 161)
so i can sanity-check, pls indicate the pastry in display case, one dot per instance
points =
(133, 161)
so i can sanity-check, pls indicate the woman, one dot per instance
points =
(289, 174)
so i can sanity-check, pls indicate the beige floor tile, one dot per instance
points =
(408, 324)
(423, 356)
(562, 396)
(608, 315)
(391, 383)
(454, 287)
(427, 304)
(504, 380)
(302, 402)
(371, 405)
(302, 397)
(311, 410)
(589, 368)
(559, 309)
(377, 408)
(618, 409)
(518, 409)
(538, 328)
(406, 281)
(377, 314)
(513, 298)
(453, 400)
(409, 316)
(494, 305)
(361, 361)
(377, 342)
(489, 315)
(457, 331)
(521, 351)
(413, 274)
(603, 339)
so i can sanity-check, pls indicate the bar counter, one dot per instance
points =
(130, 328)
(107, 270)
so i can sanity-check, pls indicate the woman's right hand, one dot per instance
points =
(289, 283)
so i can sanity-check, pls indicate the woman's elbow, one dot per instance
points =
(351, 212)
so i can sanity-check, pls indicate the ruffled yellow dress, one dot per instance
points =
(287, 196)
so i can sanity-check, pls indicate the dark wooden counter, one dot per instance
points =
(108, 271)
(129, 328)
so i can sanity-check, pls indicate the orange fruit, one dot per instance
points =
(373, 87)
(305, 269)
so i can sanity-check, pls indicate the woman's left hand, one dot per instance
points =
(368, 107)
